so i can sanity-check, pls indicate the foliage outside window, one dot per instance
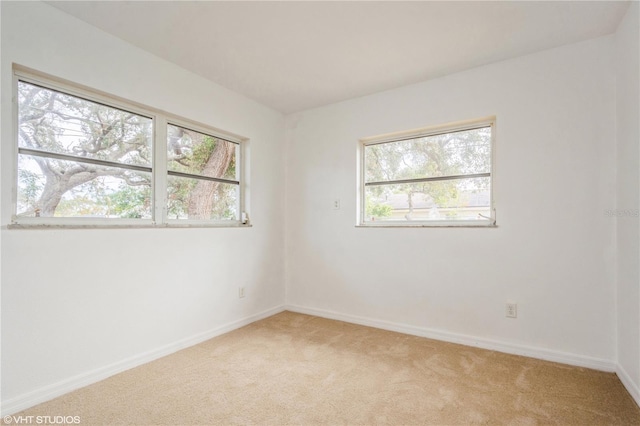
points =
(202, 174)
(435, 177)
(83, 160)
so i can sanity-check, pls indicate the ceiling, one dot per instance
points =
(293, 56)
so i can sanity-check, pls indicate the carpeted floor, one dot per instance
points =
(303, 370)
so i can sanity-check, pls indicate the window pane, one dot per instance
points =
(196, 153)
(458, 199)
(49, 187)
(456, 153)
(198, 199)
(57, 122)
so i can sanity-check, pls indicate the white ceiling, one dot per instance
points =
(293, 56)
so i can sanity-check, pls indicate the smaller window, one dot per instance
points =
(203, 180)
(430, 177)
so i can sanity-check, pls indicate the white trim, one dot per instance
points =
(360, 190)
(78, 91)
(14, 145)
(96, 95)
(241, 176)
(428, 224)
(30, 222)
(184, 224)
(205, 130)
(49, 392)
(464, 339)
(62, 387)
(451, 127)
(627, 381)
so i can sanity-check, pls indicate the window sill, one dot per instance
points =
(16, 226)
(428, 225)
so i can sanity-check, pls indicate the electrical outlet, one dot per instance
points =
(511, 310)
(241, 292)
(336, 204)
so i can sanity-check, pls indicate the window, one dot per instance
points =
(87, 159)
(431, 177)
(202, 175)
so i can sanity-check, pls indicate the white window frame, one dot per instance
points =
(239, 172)
(159, 166)
(361, 220)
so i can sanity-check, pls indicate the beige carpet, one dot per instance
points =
(303, 370)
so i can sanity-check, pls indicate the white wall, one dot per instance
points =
(76, 301)
(628, 179)
(553, 251)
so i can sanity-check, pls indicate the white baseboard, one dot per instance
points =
(494, 345)
(49, 392)
(628, 383)
(46, 393)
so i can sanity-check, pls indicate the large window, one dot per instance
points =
(86, 159)
(430, 177)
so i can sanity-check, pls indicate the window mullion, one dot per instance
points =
(160, 169)
(203, 177)
(86, 160)
(427, 179)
